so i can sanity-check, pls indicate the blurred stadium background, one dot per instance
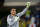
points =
(34, 10)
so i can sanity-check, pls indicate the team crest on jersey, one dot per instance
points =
(16, 18)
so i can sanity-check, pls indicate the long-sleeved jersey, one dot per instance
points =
(11, 19)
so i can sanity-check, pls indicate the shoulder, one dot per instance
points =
(18, 14)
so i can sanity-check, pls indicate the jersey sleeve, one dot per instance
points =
(21, 13)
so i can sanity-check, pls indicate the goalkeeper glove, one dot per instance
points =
(28, 4)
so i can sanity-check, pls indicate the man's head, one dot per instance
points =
(13, 11)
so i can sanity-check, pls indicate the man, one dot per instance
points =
(13, 18)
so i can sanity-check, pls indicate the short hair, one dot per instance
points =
(12, 8)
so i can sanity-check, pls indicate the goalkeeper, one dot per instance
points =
(13, 18)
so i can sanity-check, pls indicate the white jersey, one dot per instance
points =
(13, 21)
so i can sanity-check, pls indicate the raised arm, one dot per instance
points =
(23, 12)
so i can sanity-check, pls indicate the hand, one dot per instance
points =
(28, 4)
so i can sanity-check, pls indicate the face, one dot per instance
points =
(13, 11)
